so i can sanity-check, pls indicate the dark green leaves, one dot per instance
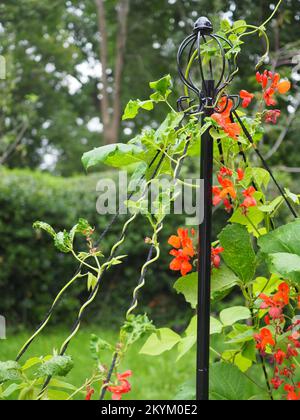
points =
(282, 247)
(117, 155)
(56, 366)
(238, 251)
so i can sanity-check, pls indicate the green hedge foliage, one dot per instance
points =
(32, 271)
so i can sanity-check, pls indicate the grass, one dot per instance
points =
(153, 378)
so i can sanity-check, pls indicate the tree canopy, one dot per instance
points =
(52, 99)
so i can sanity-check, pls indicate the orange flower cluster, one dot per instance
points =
(226, 191)
(275, 304)
(272, 83)
(183, 251)
(280, 351)
(223, 119)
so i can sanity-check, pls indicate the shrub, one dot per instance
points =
(32, 271)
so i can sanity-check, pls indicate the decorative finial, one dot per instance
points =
(203, 25)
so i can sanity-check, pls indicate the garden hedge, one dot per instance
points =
(32, 271)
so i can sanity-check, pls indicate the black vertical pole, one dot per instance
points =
(204, 255)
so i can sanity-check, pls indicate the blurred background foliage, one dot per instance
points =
(70, 71)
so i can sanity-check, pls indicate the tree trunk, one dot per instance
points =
(110, 105)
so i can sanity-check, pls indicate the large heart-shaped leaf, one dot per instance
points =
(227, 383)
(160, 341)
(238, 251)
(230, 316)
(282, 247)
(117, 155)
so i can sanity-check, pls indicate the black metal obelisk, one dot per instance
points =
(204, 82)
(204, 255)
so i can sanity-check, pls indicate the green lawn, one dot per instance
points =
(153, 377)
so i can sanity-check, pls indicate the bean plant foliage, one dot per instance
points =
(255, 345)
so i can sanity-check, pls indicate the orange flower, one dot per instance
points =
(249, 199)
(89, 393)
(122, 388)
(272, 116)
(247, 98)
(240, 174)
(264, 339)
(225, 190)
(183, 251)
(284, 87)
(275, 85)
(215, 256)
(276, 303)
(224, 121)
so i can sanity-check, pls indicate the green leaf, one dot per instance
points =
(293, 197)
(285, 265)
(242, 362)
(135, 327)
(83, 227)
(9, 371)
(236, 358)
(162, 88)
(271, 207)
(250, 351)
(240, 26)
(163, 340)
(31, 362)
(186, 391)
(259, 176)
(92, 282)
(222, 280)
(44, 226)
(225, 25)
(10, 390)
(117, 155)
(188, 286)
(240, 334)
(238, 251)
(133, 107)
(264, 285)
(56, 383)
(172, 121)
(230, 316)
(254, 217)
(282, 247)
(97, 345)
(227, 383)
(56, 366)
(55, 395)
(63, 241)
(215, 326)
(189, 340)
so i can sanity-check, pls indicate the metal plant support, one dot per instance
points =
(205, 84)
